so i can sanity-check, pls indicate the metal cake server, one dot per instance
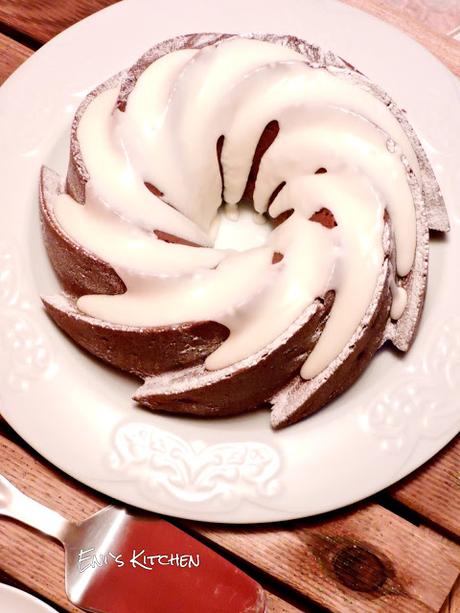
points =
(122, 563)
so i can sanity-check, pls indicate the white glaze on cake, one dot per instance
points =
(167, 136)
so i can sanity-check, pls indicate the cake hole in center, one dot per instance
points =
(241, 228)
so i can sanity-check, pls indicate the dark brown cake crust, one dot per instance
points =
(242, 387)
(307, 399)
(78, 271)
(143, 352)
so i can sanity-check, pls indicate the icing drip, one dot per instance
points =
(180, 107)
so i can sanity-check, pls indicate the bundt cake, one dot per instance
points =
(163, 153)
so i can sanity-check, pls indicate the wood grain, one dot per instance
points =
(364, 561)
(450, 547)
(452, 550)
(433, 491)
(35, 562)
(12, 54)
(42, 19)
(454, 599)
(452, 604)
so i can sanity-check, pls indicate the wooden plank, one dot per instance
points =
(368, 560)
(433, 491)
(43, 19)
(453, 602)
(35, 562)
(12, 54)
(454, 599)
(450, 548)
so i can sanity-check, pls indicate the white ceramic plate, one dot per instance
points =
(78, 413)
(17, 601)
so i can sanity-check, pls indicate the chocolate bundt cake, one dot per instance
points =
(163, 154)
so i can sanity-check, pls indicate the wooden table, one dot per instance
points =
(398, 552)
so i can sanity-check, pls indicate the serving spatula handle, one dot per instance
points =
(18, 506)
